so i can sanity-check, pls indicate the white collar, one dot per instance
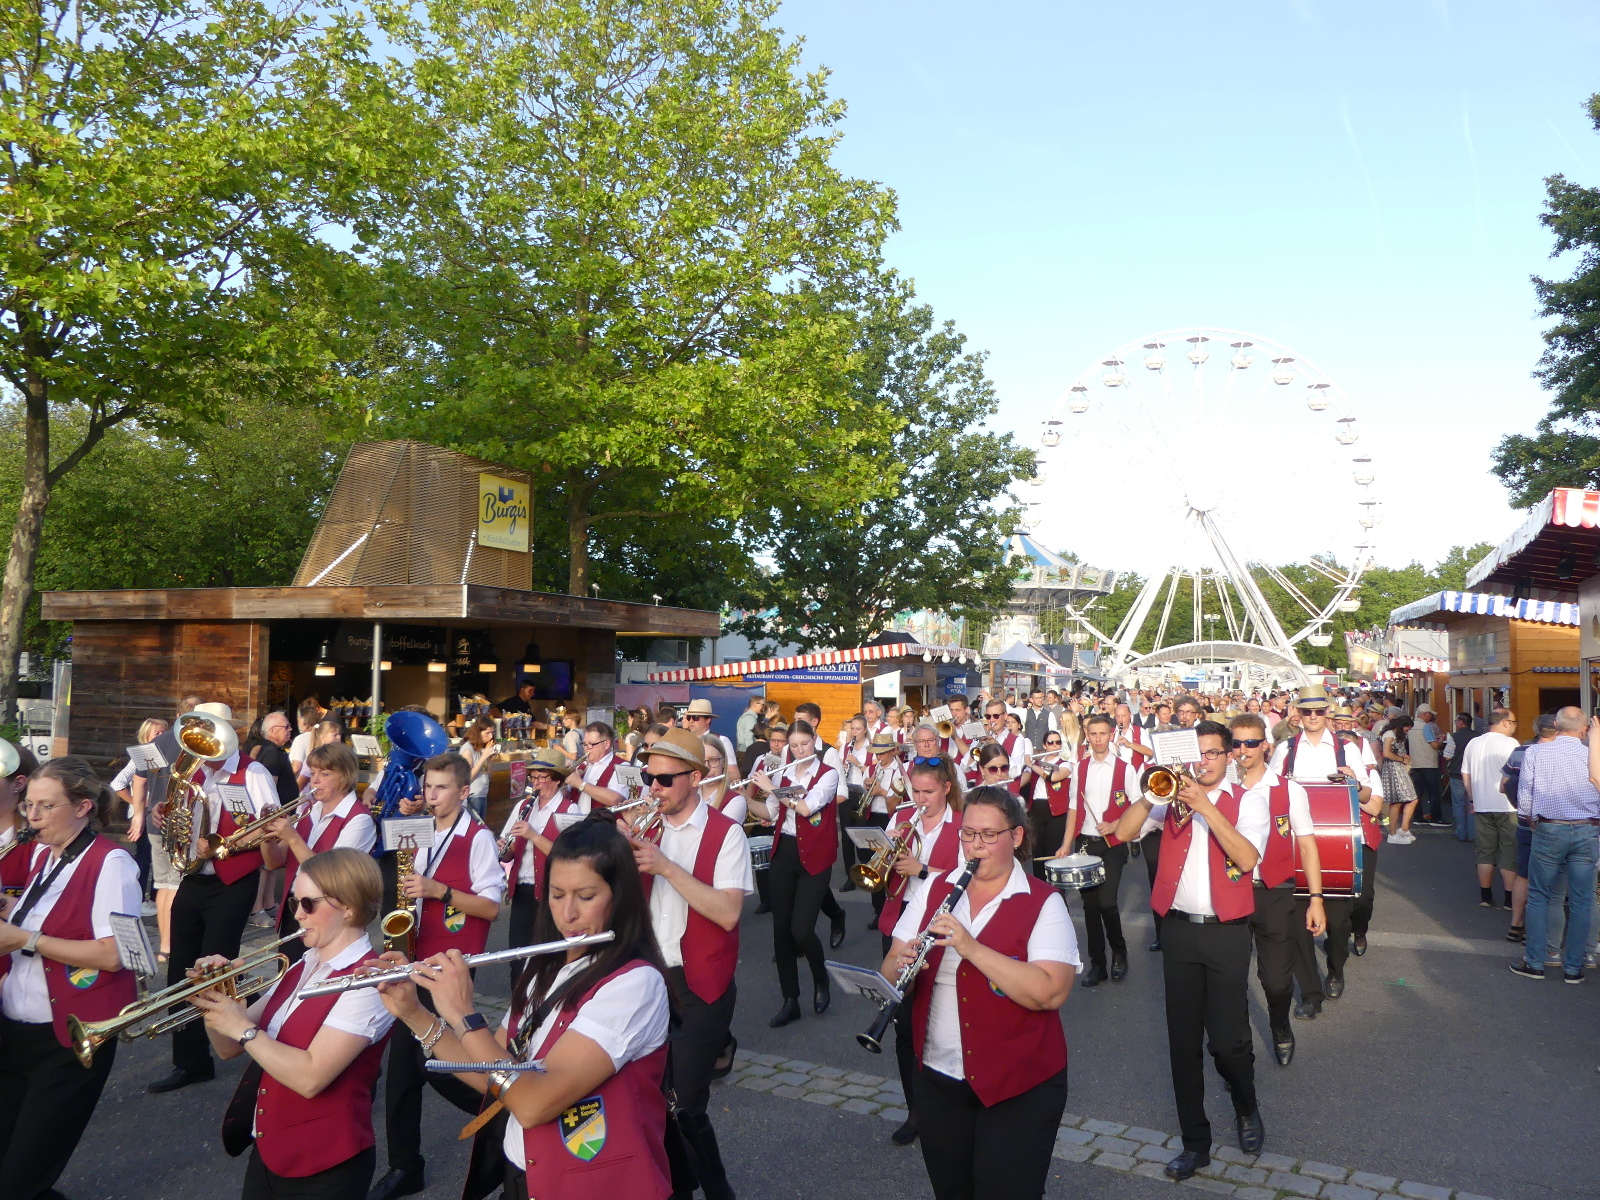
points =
(341, 809)
(1269, 780)
(696, 819)
(355, 952)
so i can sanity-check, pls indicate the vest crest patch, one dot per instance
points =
(583, 1128)
(82, 977)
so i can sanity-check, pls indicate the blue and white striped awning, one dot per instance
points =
(1546, 612)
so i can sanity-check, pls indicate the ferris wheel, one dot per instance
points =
(1206, 460)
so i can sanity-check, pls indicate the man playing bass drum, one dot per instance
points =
(988, 1108)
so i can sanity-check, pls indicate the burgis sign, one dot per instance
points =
(502, 513)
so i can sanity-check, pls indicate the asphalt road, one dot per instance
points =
(1438, 1065)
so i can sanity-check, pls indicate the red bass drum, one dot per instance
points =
(1336, 816)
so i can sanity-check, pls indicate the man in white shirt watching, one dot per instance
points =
(1494, 814)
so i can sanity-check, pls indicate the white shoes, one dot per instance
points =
(147, 909)
(1402, 838)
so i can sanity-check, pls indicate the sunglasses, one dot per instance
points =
(1249, 743)
(666, 778)
(932, 760)
(305, 904)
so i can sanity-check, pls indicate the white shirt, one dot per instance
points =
(488, 880)
(1300, 823)
(1315, 761)
(1486, 754)
(24, 995)
(1021, 750)
(299, 749)
(856, 761)
(261, 791)
(734, 806)
(360, 832)
(817, 779)
(669, 911)
(1052, 940)
(1194, 884)
(627, 1018)
(1096, 792)
(923, 838)
(537, 817)
(1132, 733)
(887, 775)
(593, 770)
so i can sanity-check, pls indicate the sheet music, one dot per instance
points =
(862, 981)
(1176, 746)
(420, 829)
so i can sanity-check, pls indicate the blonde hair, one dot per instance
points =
(338, 758)
(151, 728)
(349, 876)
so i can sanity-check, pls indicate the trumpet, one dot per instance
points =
(400, 923)
(647, 822)
(873, 876)
(946, 728)
(344, 983)
(235, 980)
(1163, 783)
(250, 835)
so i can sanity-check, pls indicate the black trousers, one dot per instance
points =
(519, 932)
(208, 917)
(347, 1181)
(905, 1053)
(46, 1100)
(1207, 973)
(999, 1153)
(1350, 917)
(1150, 849)
(403, 1085)
(796, 901)
(704, 1034)
(141, 859)
(1048, 832)
(847, 820)
(1102, 920)
(1277, 926)
(881, 820)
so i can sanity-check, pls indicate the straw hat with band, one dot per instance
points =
(884, 743)
(681, 745)
(550, 759)
(699, 708)
(1312, 696)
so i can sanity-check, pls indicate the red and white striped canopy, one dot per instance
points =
(820, 658)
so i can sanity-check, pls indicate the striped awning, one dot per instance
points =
(820, 658)
(1416, 662)
(1545, 612)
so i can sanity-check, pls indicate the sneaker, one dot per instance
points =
(1508, 906)
(1553, 960)
(1516, 933)
(263, 919)
(147, 909)
(1485, 903)
(1522, 968)
(1572, 978)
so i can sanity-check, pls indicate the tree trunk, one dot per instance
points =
(18, 585)
(577, 534)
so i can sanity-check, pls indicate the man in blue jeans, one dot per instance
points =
(1455, 753)
(1557, 790)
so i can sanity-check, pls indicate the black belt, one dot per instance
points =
(1199, 919)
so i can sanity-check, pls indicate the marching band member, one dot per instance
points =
(1212, 839)
(697, 878)
(591, 1125)
(930, 819)
(884, 785)
(1280, 917)
(460, 884)
(855, 751)
(812, 715)
(1099, 798)
(1047, 792)
(988, 1109)
(697, 720)
(993, 768)
(593, 780)
(1317, 754)
(721, 794)
(213, 903)
(58, 957)
(756, 808)
(338, 818)
(530, 830)
(804, 845)
(1016, 744)
(905, 724)
(1006, 734)
(305, 1102)
(956, 746)
(872, 713)
(1372, 833)
(14, 865)
(1127, 741)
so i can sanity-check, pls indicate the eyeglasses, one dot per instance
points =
(592, 745)
(987, 836)
(1213, 755)
(1248, 743)
(305, 904)
(665, 779)
(932, 760)
(37, 808)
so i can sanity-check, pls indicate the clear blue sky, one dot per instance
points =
(1360, 181)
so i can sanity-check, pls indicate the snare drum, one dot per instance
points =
(760, 852)
(1336, 816)
(1075, 871)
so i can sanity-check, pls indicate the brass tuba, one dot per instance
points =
(202, 738)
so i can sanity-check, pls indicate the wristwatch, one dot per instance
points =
(31, 946)
(473, 1022)
(449, 894)
(249, 1035)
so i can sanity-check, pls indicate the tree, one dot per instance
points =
(1565, 448)
(938, 540)
(624, 275)
(165, 166)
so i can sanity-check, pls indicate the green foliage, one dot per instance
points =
(1565, 448)
(619, 273)
(939, 540)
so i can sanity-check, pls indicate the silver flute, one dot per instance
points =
(345, 983)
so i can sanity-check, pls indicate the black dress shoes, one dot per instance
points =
(1252, 1134)
(873, 924)
(1186, 1164)
(836, 934)
(763, 909)
(787, 1015)
(906, 1134)
(1358, 945)
(1119, 967)
(1155, 948)
(179, 1078)
(1283, 1046)
(397, 1183)
(1093, 975)
(1307, 1010)
(821, 998)
(1335, 986)
(849, 886)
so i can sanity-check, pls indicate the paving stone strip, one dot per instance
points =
(1129, 1148)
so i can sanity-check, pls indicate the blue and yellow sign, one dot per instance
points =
(502, 513)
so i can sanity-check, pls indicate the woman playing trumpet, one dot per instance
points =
(58, 958)
(305, 1103)
(591, 1125)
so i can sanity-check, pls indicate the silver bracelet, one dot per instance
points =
(430, 1039)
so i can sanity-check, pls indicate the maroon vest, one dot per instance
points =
(235, 867)
(568, 803)
(1277, 861)
(1231, 898)
(15, 868)
(710, 952)
(944, 855)
(1114, 807)
(1371, 831)
(81, 992)
(439, 932)
(298, 1137)
(1020, 1048)
(608, 1145)
(818, 834)
(325, 839)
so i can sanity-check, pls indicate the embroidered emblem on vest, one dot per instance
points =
(82, 977)
(583, 1128)
(1283, 825)
(455, 920)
